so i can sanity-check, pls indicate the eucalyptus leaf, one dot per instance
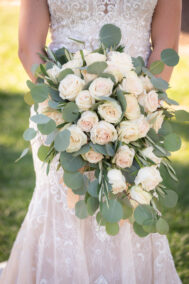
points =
(84, 149)
(92, 205)
(112, 212)
(73, 180)
(112, 229)
(108, 75)
(139, 230)
(156, 67)
(39, 93)
(182, 115)
(121, 99)
(172, 142)
(71, 163)
(143, 213)
(159, 83)
(42, 152)
(28, 99)
(163, 96)
(47, 128)
(62, 140)
(162, 226)
(64, 73)
(23, 154)
(110, 35)
(100, 220)
(81, 209)
(170, 57)
(70, 112)
(169, 200)
(97, 67)
(29, 134)
(40, 118)
(93, 188)
(99, 148)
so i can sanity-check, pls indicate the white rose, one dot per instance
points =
(149, 177)
(148, 153)
(70, 86)
(117, 180)
(132, 108)
(92, 157)
(139, 195)
(53, 73)
(87, 120)
(156, 119)
(114, 70)
(101, 87)
(128, 131)
(87, 76)
(77, 139)
(147, 85)
(124, 157)
(103, 132)
(73, 64)
(132, 83)
(84, 100)
(110, 111)
(94, 57)
(120, 59)
(149, 101)
(143, 125)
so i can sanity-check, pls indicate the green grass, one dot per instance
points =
(17, 180)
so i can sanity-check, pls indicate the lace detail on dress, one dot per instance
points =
(82, 19)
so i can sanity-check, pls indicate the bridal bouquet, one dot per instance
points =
(109, 114)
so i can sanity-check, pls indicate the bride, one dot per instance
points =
(53, 246)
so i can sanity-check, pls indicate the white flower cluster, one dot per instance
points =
(107, 122)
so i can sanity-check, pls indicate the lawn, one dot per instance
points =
(17, 180)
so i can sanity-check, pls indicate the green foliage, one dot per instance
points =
(112, 212)
(170, 57)
(92, 205)
(143, 213)
(112, 229)
(29, 134)
(70, 112)
(170, 199)
(71, 163)
(157, 67)
(48, 127)
(81, 209)
(162, 226)
(62, 140)
(182, 115)
(73, 180)
(64, 73)
(93, 188)
(110, 35)
(172, 142)
(97, 67)
(42, 152)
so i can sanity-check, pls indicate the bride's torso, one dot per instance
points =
(82, 20)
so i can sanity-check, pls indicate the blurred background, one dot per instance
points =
(17, 180)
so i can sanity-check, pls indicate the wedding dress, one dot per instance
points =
(53, 246)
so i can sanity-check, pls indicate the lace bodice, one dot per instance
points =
(82, 20)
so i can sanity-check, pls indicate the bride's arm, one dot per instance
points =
(166, 24)
(33, 29)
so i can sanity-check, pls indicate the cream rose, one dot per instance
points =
(147, 85)
(73, 64)
(149, 177)
(110, 111)
(149, 101)
(117, 180)
(84, 100)
(92, 157)
(53, 73)
(114, 70)
(87, 76)
(140, 195)
(156, 119)
(120, 59)
(143, 125)
(101, 87)
(124, 157)
(87, 120)
(132, 108)
(94, 57)
(55, 115)
(77, 138)
(128, 131)
(103, 132)
(148, 153)
(132, 83)
(70, 86)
